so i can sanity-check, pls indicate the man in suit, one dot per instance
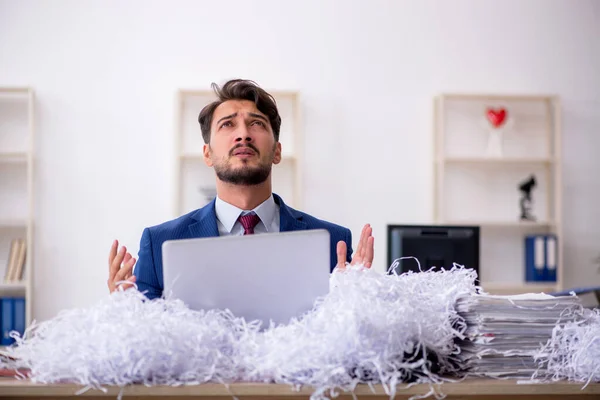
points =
(241, 135)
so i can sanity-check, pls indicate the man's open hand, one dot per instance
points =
(120, 268)
(364, 251)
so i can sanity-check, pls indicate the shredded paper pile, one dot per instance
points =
(573, 353)
(370, 328)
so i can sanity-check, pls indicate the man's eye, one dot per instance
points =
(259, 123)
(227, 123)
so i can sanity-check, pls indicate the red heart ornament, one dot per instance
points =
(496, 117)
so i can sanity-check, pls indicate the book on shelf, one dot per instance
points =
(16, 261)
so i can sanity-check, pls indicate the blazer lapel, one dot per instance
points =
(206, 225)
(288, 219)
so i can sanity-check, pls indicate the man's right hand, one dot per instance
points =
(120, 268)
(364, 251)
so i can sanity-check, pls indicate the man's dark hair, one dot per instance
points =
(240, 89)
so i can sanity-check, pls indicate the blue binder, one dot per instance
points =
(541, 258)
(6, 321)
(19, 315)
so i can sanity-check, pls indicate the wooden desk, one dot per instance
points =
(469, 389)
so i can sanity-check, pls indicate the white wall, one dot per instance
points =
(105, 74)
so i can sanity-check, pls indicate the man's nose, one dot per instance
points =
(243, 134)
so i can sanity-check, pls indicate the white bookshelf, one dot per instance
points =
(16, 187)
(474, 186)
(194, 179)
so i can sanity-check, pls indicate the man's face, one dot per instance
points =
(242, 148)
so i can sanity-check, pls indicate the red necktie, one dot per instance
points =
(249, 221)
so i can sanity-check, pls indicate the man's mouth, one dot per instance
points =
(244, 152)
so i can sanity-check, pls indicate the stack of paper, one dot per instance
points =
(504, 333)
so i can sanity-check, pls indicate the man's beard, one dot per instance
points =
(244, 175)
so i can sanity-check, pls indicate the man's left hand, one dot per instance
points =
(364, 251)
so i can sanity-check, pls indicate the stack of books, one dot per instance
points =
(16, 261)
(505, 333)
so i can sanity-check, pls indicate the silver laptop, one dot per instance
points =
(266, 277)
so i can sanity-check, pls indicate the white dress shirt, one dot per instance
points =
(227, 217)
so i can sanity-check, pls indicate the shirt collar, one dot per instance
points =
(228, 214)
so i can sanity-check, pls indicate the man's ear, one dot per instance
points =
(206, 154)
(277, 157)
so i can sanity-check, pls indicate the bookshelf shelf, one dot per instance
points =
(195, 181)
(486, 97)
(13, 288)
(13, 157)
(496, 161)
(13, 223)
(17, 134)
(501, 224)
(478, 169)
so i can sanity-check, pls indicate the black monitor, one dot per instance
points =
(435, 246)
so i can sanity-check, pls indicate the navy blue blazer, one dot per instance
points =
(203, 223)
